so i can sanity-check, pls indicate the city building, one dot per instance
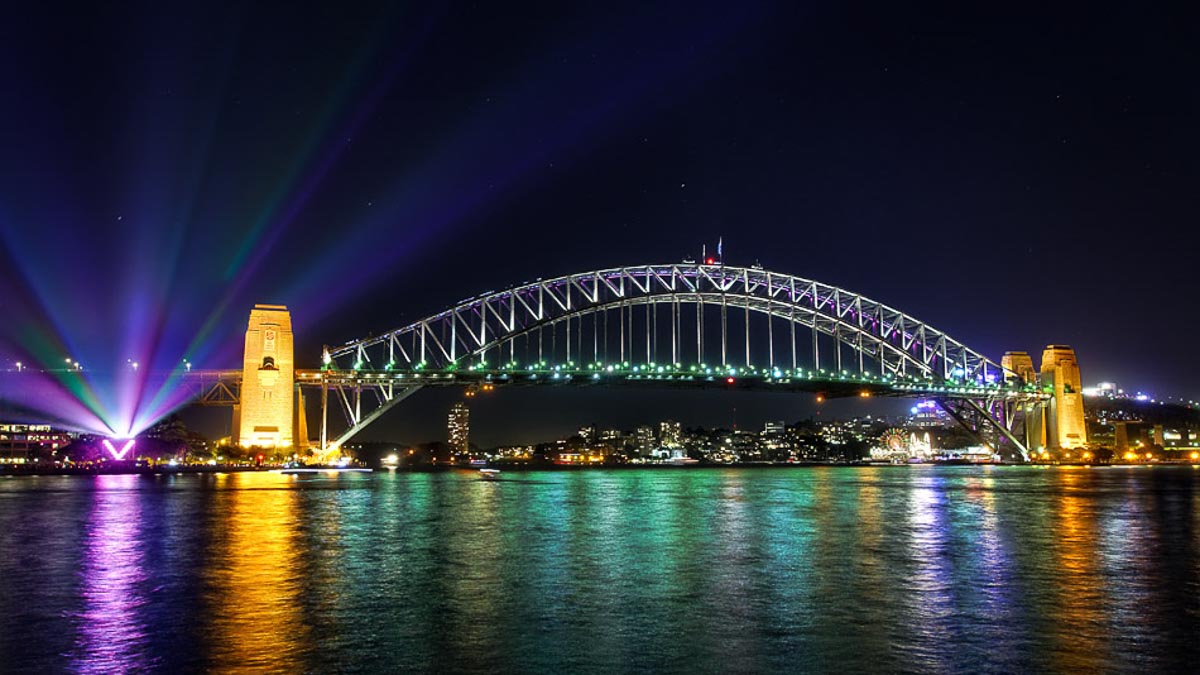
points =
(1105, 389)
(458, 427)
(643, 441)
(265, 414)
(928, 414)
(18, 442)
(611, 436)
(670, 434)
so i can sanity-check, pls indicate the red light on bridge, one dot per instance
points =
(729, 380)
(710, 261)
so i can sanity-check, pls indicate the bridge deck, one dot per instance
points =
(831, 387)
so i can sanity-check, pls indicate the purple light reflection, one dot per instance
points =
(110, 636)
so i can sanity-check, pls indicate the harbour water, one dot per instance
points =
(919, 569)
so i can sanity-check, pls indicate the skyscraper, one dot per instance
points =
(458, 426)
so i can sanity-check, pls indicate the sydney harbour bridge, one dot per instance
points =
(680, 325)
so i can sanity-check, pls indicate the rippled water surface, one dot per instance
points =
(977, 569)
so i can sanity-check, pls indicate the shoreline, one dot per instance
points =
(201, 470)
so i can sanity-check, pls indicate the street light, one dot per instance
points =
(20, 366)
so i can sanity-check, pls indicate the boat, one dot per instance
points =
(489, 474)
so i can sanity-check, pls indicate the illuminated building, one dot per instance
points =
(774, 428)
(927, 414)
(1065, 425)
(1105, 389)
(17, 440)
(920, 447)
(264, 416)
(643, 439)
(670, 434)
(458, 427)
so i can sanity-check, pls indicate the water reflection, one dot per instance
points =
(905, 569)
(111, 634)
(1082, 633)
(254, 588)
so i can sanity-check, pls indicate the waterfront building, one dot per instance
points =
(611, 436)
(670, 434)
(746, 445)
(458, 427)
(643, 441)
(18, 441)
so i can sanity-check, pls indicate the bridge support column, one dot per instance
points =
(324, 414)
(1120, 437)
(976, 418)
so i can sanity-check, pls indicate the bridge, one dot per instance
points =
(681, 325)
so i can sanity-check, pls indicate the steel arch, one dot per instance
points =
(901, 344)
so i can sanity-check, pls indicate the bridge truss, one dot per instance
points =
(680, 324)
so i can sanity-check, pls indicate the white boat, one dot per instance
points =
(321, 469)
(489, 474)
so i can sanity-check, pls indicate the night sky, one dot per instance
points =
(1015, 176)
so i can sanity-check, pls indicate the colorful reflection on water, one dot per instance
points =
(253, 585)
(828, 569)
(111, 632)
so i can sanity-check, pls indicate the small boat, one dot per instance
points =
(293, 471)
(489, 474)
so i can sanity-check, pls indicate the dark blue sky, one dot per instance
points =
(1015, 175)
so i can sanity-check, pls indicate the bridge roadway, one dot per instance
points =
(842, 386)
(214, 387)
(972, 404)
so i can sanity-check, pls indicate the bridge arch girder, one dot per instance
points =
(476, 325)
(842, 331)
